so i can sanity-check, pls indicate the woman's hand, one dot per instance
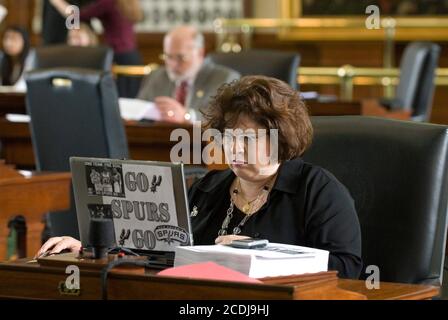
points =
(57, 244)
(229, 238)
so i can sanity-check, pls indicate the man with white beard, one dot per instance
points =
(187, 81)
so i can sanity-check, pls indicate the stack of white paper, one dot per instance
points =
(274, 260)
(136, 109)
(307, 95)
(130, 109)
(14, 117)
(13, 89)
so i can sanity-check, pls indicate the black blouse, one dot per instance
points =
(307, 206)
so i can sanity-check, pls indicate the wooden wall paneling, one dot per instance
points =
(20, 12)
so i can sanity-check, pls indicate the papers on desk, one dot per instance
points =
(314, 95)
(13, 117)
(307, 95)
(273, 260)
(130, 109)
(13, 89)
(136, 109)
(26, 173)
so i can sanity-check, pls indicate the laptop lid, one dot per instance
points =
(147, 201)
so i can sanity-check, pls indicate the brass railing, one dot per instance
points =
(134, 70)
(317, 29)
(227, 32)
(346, 76)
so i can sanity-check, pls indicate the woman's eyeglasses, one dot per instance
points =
(246, 138)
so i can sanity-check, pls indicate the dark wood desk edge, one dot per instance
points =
(150, 276)
(425, 292)
(410, 291)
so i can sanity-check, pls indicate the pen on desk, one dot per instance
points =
(42, 255)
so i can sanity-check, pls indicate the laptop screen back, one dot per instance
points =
(146, 200)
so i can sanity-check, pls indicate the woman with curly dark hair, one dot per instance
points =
(285, 200)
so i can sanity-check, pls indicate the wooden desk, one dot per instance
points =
(367, 107)
(151, 141)
(391, 291)
(12, 102)
(31, 197)
(20, 279)
(147, 141)
(15, 102)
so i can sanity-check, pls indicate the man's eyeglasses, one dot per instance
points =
(175, 57)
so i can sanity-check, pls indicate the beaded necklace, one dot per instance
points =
(248, 213)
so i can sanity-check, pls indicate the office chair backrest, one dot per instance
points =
(396, 173)
(417, 71)
(64, 56)
(74, 112)
(276, 64)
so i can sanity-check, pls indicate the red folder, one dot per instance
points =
(208, 271)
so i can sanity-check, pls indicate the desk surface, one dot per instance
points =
(20, 279)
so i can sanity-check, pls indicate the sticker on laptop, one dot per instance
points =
(100, 211)
(105, 179)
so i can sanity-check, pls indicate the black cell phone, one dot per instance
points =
(250, 243)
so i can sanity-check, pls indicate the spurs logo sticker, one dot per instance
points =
(156, 182)
(170, 234)
(124, 235)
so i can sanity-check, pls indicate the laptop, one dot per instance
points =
(146, 200)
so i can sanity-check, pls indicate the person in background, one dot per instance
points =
(15, 59)
(286, 200)
(187, 81)
(118, 18)
(82, 37)
(54, 29)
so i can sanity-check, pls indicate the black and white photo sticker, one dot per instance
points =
(104, 179)
(100, 211)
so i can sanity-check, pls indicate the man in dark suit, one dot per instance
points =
(184, 85)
